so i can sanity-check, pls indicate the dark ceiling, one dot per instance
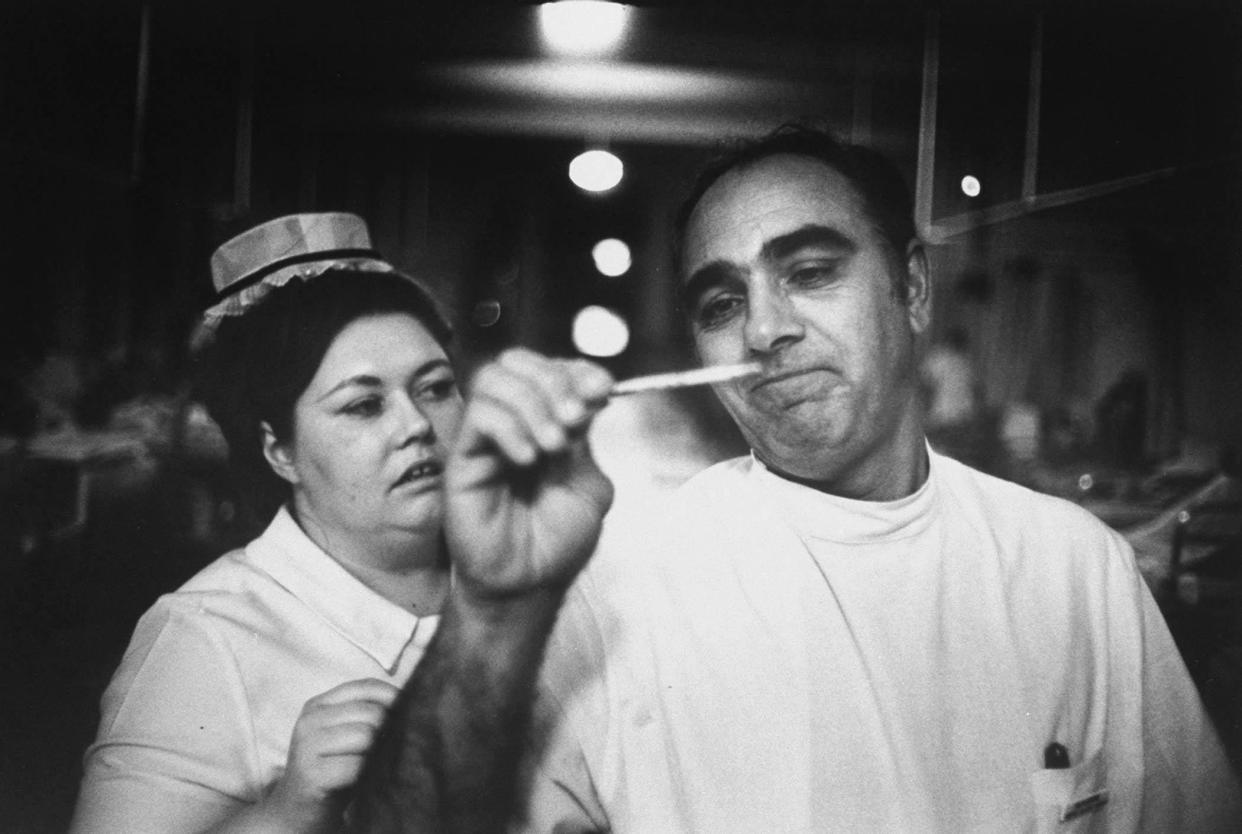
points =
(687, 72)
(1127, 88)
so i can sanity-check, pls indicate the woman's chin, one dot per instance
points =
(421, 512)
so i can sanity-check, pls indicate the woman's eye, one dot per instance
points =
(365, 407)
(440, 389)
(717, 310)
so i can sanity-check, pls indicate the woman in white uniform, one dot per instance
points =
(248, 698)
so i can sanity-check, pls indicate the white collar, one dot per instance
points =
(820, 515)
(368, 620)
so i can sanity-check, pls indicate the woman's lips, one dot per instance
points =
(420, 471)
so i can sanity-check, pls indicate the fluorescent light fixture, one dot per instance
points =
(598, 331)
(582, 27)
(585, 82)
(596, 170)
(612, 257)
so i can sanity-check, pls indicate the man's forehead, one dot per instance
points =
(749, 206)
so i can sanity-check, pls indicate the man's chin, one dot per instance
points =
(805, 456)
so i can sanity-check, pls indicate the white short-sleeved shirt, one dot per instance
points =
(770, 658)
(197, 720)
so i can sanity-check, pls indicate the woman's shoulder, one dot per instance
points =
(242, 571)
(227, 571)
(231, 593)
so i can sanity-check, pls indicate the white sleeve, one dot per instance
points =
(558, 794)
(1188, 784)
(175, 749)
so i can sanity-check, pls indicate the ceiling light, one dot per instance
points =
(582, 27)
(971, 186)
(612, 257)
(596, 170)
(598, 331)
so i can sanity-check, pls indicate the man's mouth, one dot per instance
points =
(783, 389)
(780, 376)
(419, 471)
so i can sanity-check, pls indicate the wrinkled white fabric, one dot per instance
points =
(766, 657)
(197, 720)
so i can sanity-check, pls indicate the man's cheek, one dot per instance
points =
(739, 407)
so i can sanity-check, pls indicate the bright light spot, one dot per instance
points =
(599, 331)
(970, 186)
(582, 27)
(612, 257)
(596, 170)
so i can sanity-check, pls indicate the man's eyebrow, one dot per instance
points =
(803, 237)
(371, 381)
(717, 273)
(711, 274)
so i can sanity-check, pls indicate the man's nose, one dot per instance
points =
(772, 323)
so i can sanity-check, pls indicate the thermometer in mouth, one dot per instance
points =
(685, 379)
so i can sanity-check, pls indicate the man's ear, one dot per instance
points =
(277, 454)
(918, 287)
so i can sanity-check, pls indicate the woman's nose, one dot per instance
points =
(414, 424)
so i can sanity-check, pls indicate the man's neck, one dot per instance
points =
(867, 481)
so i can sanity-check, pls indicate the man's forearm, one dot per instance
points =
(447, 757)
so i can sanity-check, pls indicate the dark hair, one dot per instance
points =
(261, 361)
(879, 183)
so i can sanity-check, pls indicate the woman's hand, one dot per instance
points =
(525, 498)
(330, 741)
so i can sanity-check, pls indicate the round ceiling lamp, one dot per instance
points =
(612, 257)
(582, 28)
(596, 170)
(598, 331)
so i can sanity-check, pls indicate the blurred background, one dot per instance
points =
(1077, 179)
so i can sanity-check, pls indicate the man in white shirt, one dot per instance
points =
(846, 631)
(843, 631)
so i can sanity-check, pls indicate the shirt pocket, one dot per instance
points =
(1071, 799)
